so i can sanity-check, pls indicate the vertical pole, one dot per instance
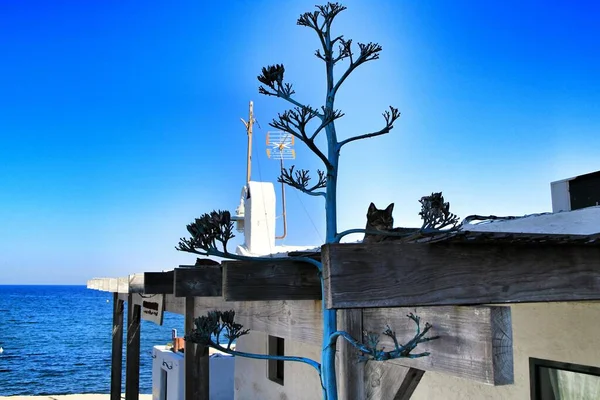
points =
(283, 206)
(132, 368)
(351, 373)
(409, 383)
(116, 364)
(249, 131)
(197, 375)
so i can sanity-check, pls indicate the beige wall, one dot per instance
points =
(566, 332)
(301, 381)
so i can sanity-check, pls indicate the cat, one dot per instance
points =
(383, 221)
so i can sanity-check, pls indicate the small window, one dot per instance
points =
(552, 380)
(275, 347)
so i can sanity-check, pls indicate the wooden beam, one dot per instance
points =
(408, 383)
(158, 282)
(123, 284)
(475, 342)
(116, 364)
(113, 285)
(420, 274)
(298, 320)
(351, 372)
(132, 368)
(197, 376)
(270, 280)
(136, 283)
(202, 281)
(483, 331)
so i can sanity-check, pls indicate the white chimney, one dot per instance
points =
(257, 209)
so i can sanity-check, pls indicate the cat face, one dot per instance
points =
(380, 220)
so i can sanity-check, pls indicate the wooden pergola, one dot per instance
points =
(455, 281)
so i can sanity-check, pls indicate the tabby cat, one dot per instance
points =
(382, 220)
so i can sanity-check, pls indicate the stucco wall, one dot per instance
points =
(566, 332)
(301, 381)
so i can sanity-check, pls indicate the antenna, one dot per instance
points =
(240, 211)
(248, 126)
(281, 149)
(281, 146)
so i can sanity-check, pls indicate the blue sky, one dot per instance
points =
(119, 121)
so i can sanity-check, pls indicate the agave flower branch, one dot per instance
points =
(295, 122)
(389, 116)
(210, 329)
(436, 213)
(299, 179)
(369, 350)
(207, 232)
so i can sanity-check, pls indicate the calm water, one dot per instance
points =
(57, 340)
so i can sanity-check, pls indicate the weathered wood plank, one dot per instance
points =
(158, 282)
(351, 372)
(112, 285)
(202, 361)
(411, 274)
(202, 281)
(409, 382)
(270, 280)
(475, 342)
(387, 381)
(123, 284)
(116, 364)
(197, 376)
(136, 283)
(476, 330)
(132, 368)
(298, 320)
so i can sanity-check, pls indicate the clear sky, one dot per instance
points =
(119, 121)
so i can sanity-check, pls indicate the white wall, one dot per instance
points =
(301, 381)
(221, 377)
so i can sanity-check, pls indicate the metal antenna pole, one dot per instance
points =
(283, 206)
(282, 149)
(249, 132)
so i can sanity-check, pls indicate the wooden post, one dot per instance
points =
(387, 381)
(351, 372)
(116, 364)
(196, 361)
(132, 368)
(411, 380)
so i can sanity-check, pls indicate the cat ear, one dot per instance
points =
(372, 209)
(390, 208)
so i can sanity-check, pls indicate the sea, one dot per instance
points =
(57, 340)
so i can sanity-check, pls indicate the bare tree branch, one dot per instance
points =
(294, 122)
(328, 13)
(344, 50)
(368, 51)
(272, 79)
(299, 179)
(390, 117)
(216, 324)
(328, 117)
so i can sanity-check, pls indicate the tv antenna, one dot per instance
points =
(248, 126)
(280, 147)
